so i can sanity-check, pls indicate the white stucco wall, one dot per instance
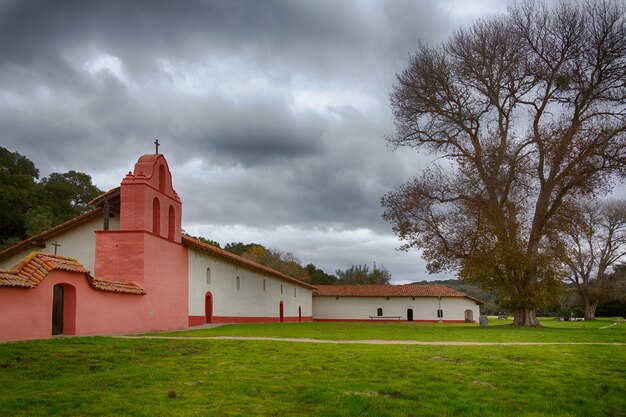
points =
(78, 242)
(251, 300)
(361, 308)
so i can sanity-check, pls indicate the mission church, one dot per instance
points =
(126, 266)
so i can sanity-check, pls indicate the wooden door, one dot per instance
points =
(57, 310)
(409, 314)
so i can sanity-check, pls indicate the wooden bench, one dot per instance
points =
(569, 319)
(385, 317)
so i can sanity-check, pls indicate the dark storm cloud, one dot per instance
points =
(259, 147)
(326, 42)
(39, 35)
(339, 190)
(279, 107)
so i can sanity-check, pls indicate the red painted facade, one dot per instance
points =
(27, 312)
(146, 251)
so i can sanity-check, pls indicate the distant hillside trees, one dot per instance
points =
(28, 206)
(615, 304)
(205, 240)
(239, 248)
(285, 262)
(591, 239)
(290, 264)
(491, 306)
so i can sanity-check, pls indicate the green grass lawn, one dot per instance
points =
(97, 376)
(498, 331)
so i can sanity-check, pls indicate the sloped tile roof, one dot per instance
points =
(231, 257)
(31, 270)
(410, 290)
(112, 193)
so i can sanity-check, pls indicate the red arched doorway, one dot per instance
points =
(282, 311)
(63, 309)
(300, 314)
(208, 307)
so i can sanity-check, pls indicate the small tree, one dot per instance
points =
(318, 276)
(592, 240)
(68, 194)
(526, 110)
(361, 274)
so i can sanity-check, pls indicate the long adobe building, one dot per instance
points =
(126, 266)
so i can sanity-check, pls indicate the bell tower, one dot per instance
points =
(147, 248)
(148, 200)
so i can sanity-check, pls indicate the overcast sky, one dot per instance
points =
(271, 114)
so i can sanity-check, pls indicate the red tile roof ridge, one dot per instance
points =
(4, 254)
(406, 290)
(31, 270)
(241, 260)
(103, 196)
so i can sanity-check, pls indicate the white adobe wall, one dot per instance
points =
(250, 301)
(78, 243)
(361, 308)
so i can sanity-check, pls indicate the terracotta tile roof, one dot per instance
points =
(230, 257)
(113, 193)
(116, 286)
(410, 290)
(31, 270)
(56, 230)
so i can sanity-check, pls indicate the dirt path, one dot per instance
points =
(617, 323)
(372, 342)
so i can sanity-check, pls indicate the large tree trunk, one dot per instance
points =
(525, 317)
(590, 309)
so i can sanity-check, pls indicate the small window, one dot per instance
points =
(238, 283)
(294, 292)
(208, 275)
(379, 312)
(440, 313)
(264, 285)
(281, 289)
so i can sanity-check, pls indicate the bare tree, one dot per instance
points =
(525, 111)
(592, 240)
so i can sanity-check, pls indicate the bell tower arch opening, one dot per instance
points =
(156, 216)
(171, 223)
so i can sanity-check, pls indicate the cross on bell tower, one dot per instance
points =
(157, 144)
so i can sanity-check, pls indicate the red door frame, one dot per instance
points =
(67, 307)
(208, 307)
(282, 311)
